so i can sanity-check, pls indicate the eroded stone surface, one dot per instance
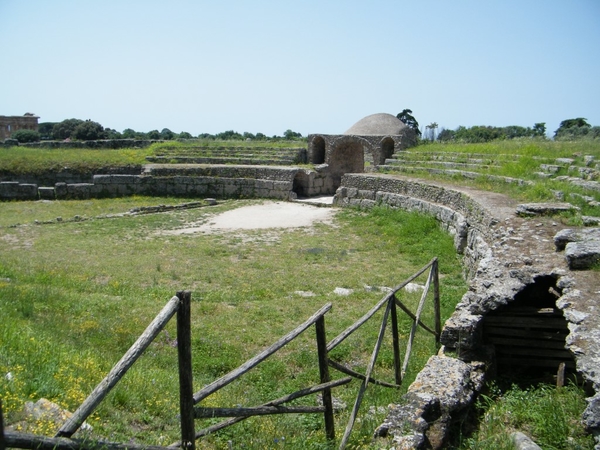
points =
(504, 253)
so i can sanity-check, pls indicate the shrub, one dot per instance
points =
(63, 130)
(88, 131)
(26, 136)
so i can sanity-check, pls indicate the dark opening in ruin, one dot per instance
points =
(528, 334)
(300, 185)
(318, 150)
(387, 149)
(346, 157)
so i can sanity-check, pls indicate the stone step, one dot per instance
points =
(454, 165)
(221, 160)
(452, 172)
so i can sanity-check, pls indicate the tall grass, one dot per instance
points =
(33, 161)
(550, 416)
(75, 295)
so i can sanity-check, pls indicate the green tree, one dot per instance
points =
(446, 135)
(539, 129)
(109, 133)
(167, 134)
(88, 131)
(153, 134)
(409, 120)
(63, 130)
(290, 135)
(229, 135)
(184, 135)
(26, 136)
(129, 133)
(45, 129)
(572, 127)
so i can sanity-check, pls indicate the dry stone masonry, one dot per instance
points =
(510, 261)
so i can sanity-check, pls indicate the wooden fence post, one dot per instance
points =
(186, 389)
(324, 371)
(2, 444)
(395, 341)
(117, 372)
(436, 300)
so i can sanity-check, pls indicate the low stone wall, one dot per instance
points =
(459, 214)
(224, 181)
(99, 144)
(506, 256)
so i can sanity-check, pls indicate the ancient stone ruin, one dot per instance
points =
(10, 124)
(531, 304)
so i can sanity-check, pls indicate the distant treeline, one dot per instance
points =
(88, 130)
(570, 129)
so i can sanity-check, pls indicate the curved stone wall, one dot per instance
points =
(504, 256)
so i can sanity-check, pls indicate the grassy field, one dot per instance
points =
(74, 295)
(517, 159)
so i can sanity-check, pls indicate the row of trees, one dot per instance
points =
(88, 130)
(570, 129)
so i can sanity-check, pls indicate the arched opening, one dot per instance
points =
(301, 184)
(318, 150)
(528, 334)
(346, 157)
(387, 149)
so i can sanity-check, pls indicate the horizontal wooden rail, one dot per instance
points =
(409, 313)
(338, 366)
(279, 401)
(203, 413)
(34, 442)
(351, 329)
(231, 376)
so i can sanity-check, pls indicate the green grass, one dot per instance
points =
(32, 161)
(75, 295)
(550, 416)
(517, 159)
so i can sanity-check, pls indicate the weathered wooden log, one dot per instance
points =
(395, 341)
(228, 378)
(363, 386)
(203, 413)
(348, 331)
(413, 329)
(436, 300)
(324, 375)
(279, 401)
(33, 442)
(2, 444)
(338, 366)
(117, 372)
(410, 314)
(186, 388)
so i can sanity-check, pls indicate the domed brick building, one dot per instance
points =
(362, 148)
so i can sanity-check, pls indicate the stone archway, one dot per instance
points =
(387, 149)
(347, 156)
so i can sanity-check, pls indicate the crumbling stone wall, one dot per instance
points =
(225, 181)
(375, 149)
(504, 255)
(10, 124)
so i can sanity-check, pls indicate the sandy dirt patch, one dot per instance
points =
(263, 216)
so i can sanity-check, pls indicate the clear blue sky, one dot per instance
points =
(313, 66)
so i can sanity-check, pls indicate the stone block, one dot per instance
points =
(79, 190)
(9, 190)
(582, 255)
(46, 193)
(60, 190)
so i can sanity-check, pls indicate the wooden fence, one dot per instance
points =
(180, 305)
